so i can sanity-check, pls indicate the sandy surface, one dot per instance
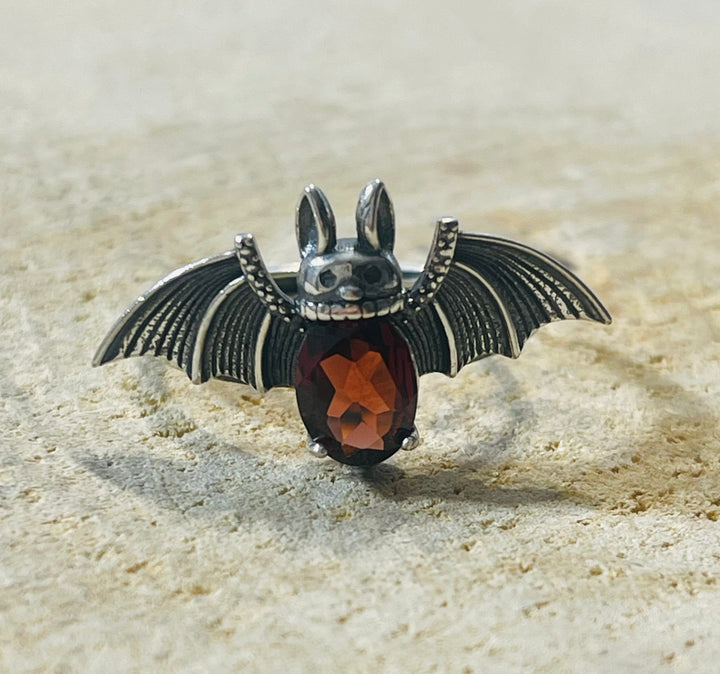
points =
(563, 512)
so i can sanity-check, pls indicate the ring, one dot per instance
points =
(350, 329)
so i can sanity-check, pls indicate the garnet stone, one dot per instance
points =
(356, 389)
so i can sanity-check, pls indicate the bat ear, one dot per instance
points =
(314, 223)
(375, 217)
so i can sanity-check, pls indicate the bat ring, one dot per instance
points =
(350, 330)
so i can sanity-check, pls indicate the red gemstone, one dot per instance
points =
(356, 389)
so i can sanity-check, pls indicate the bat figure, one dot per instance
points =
(350, 330)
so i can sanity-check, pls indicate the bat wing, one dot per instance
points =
(494, 295)
(206, 319)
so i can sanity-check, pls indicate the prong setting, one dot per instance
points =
(316, 448)
(412, 441)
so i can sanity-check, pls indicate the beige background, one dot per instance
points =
(562, 514)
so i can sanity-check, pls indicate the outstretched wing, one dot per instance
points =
(493, 294)
(206, 319)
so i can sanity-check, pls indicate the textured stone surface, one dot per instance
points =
(562, 514)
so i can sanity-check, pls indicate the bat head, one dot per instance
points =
(348, 278)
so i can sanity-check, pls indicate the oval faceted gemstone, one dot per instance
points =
(356, 389)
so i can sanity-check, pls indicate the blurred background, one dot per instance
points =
(222, 111)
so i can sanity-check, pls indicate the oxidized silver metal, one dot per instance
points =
(230, 318)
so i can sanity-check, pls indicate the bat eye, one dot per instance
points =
(327, 278)
(371, 274)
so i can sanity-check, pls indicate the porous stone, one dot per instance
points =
(563, 513)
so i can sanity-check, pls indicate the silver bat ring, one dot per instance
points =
(350, 330)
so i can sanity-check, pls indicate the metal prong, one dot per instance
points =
(412, 441)
(316, 449)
